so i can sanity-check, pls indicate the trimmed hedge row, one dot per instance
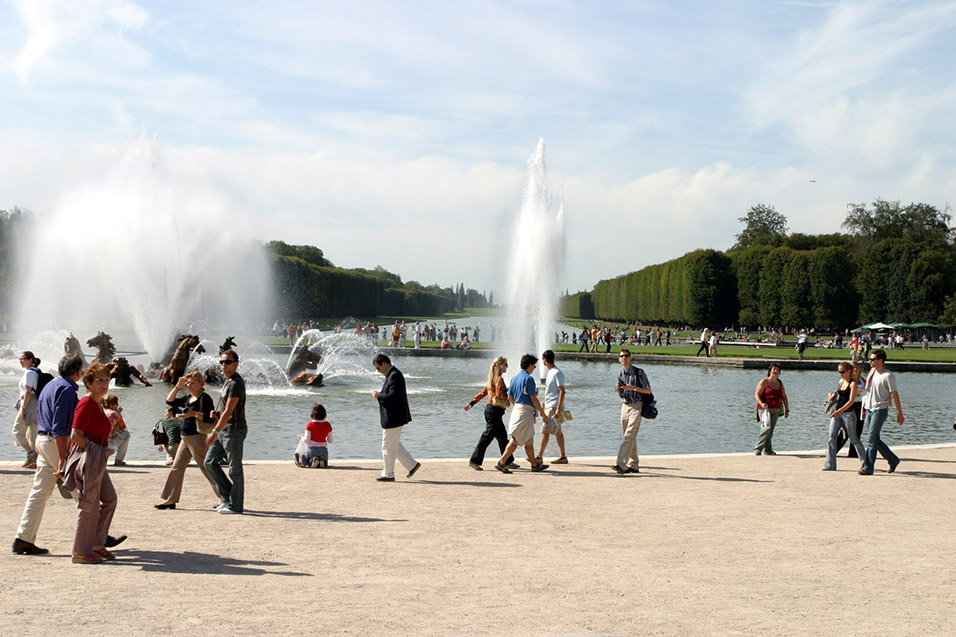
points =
(698, 288)
(305, 290)
(827, 287)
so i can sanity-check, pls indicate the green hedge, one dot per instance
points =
(577, 306)
(305, 290)
(698, 288)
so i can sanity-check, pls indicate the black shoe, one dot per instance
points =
(22, 547)
(384, 479)
(864, 472)
(475, 466)
(417, 466)
(618, 469)
(768, 452)
(65, 493)
(165, 505)
(893, 467)
(632, 470)
(114, 541)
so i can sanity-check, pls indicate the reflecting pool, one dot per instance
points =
(702, 410)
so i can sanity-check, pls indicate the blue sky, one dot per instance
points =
(398, 133)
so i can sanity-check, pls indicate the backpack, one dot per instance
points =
(42, 379)
(159, 434)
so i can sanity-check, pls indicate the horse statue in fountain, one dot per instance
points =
(304, 359)
(307, 378)
(123, 372)
(72, 347)
(177, 361)
(105, 348)
(229, 343)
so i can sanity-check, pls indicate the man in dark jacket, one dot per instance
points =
(394, 412)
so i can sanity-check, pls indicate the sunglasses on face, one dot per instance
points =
(225, 361)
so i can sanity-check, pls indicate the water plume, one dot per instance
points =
(146, 248)
(536, 263)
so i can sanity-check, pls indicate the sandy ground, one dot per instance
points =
(694, 545)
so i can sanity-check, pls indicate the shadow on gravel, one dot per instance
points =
(462, 483)
(191, 562)
(312, 515)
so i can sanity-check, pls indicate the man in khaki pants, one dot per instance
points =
(55, 409)
(631, 385)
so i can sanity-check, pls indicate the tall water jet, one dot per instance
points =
(143, 248)
(536, 262)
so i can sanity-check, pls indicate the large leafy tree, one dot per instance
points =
(763, 225)
(748, 265)
(771, 286)
(833, 296)
(795, 304)
(918, 222)
(309, 254)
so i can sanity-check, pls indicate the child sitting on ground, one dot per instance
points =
(119, 435)
(171, 425)
(313, 449)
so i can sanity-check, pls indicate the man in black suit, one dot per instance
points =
(394, 412)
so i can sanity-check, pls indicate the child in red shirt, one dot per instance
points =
(313, 449)
(119, 436)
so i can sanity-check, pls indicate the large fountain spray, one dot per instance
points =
(536, 261)
(142, 248)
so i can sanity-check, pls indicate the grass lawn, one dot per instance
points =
(932, 355)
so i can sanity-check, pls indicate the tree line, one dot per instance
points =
(895, 263)
(308, 285)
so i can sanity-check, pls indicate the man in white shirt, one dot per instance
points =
(553, 408)
(417, 333)
(704, 343)
(801, 344)
(880, 392)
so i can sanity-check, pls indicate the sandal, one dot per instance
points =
(105, 554)
(503, 469)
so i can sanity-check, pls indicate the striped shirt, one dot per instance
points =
(635, 377)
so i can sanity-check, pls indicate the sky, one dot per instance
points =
(399, 134)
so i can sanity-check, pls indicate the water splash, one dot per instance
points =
(142, 248)
(344, 354)
(536, 264)
(345, 357)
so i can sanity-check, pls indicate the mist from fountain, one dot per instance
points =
(536, 265)
(142, 248)
(46, 345)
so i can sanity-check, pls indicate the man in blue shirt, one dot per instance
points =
(524, 394)
(54, 425)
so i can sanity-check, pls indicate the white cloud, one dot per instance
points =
(54, 25)
(854, 90)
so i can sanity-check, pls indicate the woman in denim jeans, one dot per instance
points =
(772, 400)
(843, 417)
